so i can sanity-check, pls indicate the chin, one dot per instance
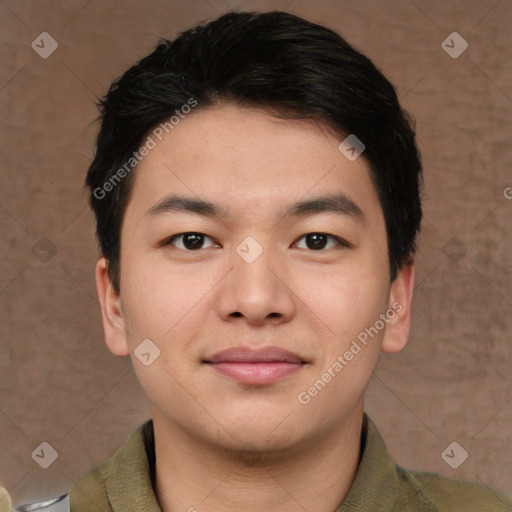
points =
(254, 446)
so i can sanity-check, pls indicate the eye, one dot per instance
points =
(192, 241)
(318, 241)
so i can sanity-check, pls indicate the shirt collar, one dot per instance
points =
(130, 480)
(377, 484)
(131, 477)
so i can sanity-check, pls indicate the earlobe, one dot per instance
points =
(399, 308)
(111, 311)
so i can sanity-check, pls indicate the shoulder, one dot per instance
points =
(95, 490)
(89, 492)
(434, 492)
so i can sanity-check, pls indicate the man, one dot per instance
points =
(256, 187)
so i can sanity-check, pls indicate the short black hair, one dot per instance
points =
(276, 61)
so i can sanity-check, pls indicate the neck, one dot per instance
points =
(192, 474)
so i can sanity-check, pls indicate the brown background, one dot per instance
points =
(59, 383)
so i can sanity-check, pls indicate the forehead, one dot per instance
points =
(246, 161)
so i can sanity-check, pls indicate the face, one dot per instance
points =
(211, 285)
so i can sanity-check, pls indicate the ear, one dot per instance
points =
(111, 312)
(399, 309)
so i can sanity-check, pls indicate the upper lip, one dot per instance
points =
(250, 355)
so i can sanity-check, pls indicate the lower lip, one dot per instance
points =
(257, 373)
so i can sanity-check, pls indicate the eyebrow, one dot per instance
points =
(333, 203)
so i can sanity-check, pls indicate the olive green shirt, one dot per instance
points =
(124, 483)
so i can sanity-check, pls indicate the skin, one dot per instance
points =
(222, 445)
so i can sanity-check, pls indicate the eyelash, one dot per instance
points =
(168, 241)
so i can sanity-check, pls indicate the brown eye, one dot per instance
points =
(318, 241)
(191, 241)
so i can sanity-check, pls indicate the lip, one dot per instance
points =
(255, 367)
(250, 355)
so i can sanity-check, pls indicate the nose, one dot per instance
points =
(258, 286)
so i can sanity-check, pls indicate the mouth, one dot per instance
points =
(255, 367)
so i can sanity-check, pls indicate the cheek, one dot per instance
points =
(350, 305)
(168, 305)
(345, 302)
